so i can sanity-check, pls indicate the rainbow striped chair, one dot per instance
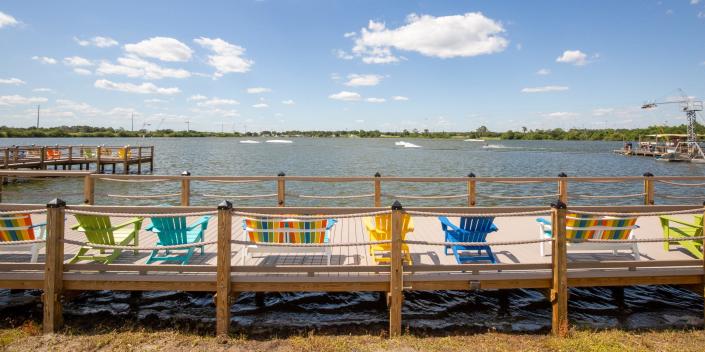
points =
(266, 230)
(581, 227)
(19, 227)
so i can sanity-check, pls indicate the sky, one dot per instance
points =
(345, 65)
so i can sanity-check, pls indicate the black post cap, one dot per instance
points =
(471, 175)
(281, 174)
(225, 205)
(562, 174)
(186, 173)
(377, 174)
(56, 203)
(558, 205)
(648, 174)
(396, 205)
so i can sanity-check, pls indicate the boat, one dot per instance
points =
(407, 144)
(473, 140)
(249, 141)
(279, 141)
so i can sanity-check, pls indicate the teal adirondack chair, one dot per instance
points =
(99, 230)
(174, 231)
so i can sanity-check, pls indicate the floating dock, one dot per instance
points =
(82, 157)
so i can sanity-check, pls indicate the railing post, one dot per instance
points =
(563, 188)
(185, 189)
(42, 157)
(126, 160)
(6, 159)
(151, 159)
(70, 154)
(472, 193)
(97, 160)
(88, 190)
(648, 188)
(396, 295)
(281, 189)
(222, 295)
(559, 282)
(54, 266)
(378, 190)
(139, 160)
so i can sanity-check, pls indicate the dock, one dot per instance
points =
(225, 270)
(81, 157)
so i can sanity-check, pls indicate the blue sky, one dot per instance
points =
(388, 65)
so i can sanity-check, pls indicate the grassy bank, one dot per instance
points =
(28, 338)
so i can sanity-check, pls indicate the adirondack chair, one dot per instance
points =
(678, 228)
(88, 153)
(581, 227)
(287, 231)
(53, 153)
(123, 151)
(380, 229)
(471, 229)
(99, 230)
(174, 231)
(19, 227)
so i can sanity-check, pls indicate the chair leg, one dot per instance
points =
(81, 252)
(635, 251)
(152, 257)
(493, 259)
(35, 253)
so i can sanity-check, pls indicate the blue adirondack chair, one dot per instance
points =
(174, 231)
(471, 229)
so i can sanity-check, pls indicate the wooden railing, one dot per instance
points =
(42, 156)
(393, 278)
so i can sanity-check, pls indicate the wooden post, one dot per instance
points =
(648, 188)
(281, 189)
(472, 193)
(126, 160)
(151, 159)
(185, 189)
(139, 160)
(98, 166)
(17, 154)
(222, 295)
(396, 295)
(702, 288)
(378, 190)
(54, 266)
(563, 188)
(42, 157)
(88, 190)
(70, 154)
(559, 282)
(6, 157)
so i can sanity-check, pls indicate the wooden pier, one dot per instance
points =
(81, 157)
(224, 269)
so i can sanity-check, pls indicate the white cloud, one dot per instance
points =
(343, 55)
(7, 20)
(701, 14)
(76, 61)
(135, 67)
(13, 81)
(359, 121)
(375, 100)
(82, 71)
(669, 12)
(355, 80)
(260, 106)
(602, 111)
(258, 90)
(574, 57)
(20, 100)
(218, 102)
(155, 101)
(345, 96)
(162, 48)
(44, 59)
(560, 114)
(144, 88)
(400, 98)
(100, 42)
(43, 90)
(228, 57)
(349, 34)
(466, 35)
(288, 102)
(694, 2)
(543, 72)
(197, 97)
(544, 89)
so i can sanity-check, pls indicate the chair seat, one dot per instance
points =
(191, 237)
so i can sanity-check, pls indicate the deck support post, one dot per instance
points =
(126, 160)
(281, 189)
(648, 188)
(223, 283)
(559, 269)
(42, 158)
(139, 160)
(563, 188)
(396, 296)
(88, 190)
(151, 159)
(472, 190)
(185, 189)
(98, 165)
(54, 266)
(378, 190)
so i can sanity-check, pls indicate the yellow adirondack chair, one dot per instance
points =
(678, 228)
(380, 229)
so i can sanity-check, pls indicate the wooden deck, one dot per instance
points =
(81, 157)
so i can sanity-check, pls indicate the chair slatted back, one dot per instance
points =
(383, 223)
(579, 226)
(97, 228)
(477, 227)
(622, 228)
(172, 230)
(16, 228)
(286, 231)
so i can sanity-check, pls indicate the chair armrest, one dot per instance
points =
(543, 221)
(369, 224)
(200, 222)
(669, 219)
(151, 228)
(446, 223)
(331, 222)
(410, 227)
(41, 224)
(134, 221)
(494, 228)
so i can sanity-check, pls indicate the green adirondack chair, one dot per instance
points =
(174, 231)
(98, 230)
(678, 228)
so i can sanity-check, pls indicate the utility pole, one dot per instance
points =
(132, 128)
(37, 116)
(221, 126)
(188, 126)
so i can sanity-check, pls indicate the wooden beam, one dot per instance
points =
(88, 190)
(648, 189)
(559, 282)
(53, 268)
(185, 189)
(281, 189)
(223, 280)
(396, 273)
(378, 190)
(472, 190)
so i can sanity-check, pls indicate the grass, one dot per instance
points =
(28, 337)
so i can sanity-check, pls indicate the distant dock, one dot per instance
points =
(85, 157)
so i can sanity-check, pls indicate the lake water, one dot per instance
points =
(515, 310)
